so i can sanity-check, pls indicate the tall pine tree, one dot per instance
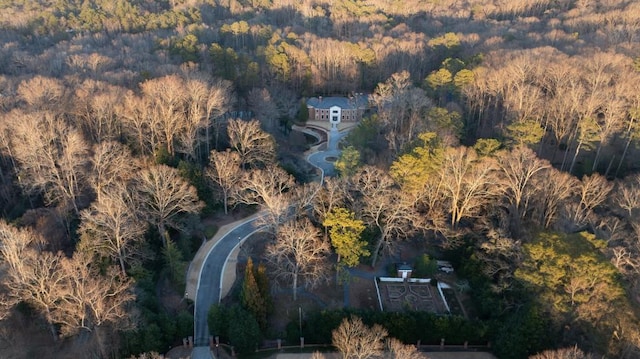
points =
(263, 286)
(251, 297)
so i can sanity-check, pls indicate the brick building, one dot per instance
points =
(337, 109)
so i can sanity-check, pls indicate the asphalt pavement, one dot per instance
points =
(319, 159)
(211, 267)
(209, 288)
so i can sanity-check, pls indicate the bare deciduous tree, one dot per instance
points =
(593, 190)
(165, 196)
(42, 93)
(555, 188)
(33, 276)
(518, 169)
(165, 98)
(303, 198)
(137, 124)
(175, 113)
(355, 340)
(93, 300)
(205, 101)
(565, 353)
(112, 164)
(402, 109)
(225, 172)
(383, 206)
(264, 108)
(112, 226)
(628, 195)
(500, 256)
(330, 195)
(51, 156)
(299, 255)
(398, 350)
(468, 182)
(96, 110)
(71, 294)
(268, 188)
(255, 146)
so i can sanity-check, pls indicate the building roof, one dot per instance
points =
(342, 102)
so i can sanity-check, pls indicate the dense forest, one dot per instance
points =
(503, 133)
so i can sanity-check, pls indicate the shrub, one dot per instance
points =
(425, 267)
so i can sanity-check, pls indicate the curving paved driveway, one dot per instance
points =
(209, 288)
(319, 159)
(212, 267)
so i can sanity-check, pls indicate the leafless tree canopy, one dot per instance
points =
(69, 293)
(299, 255)
(383, 206)
(51, 157)
(355, 340)
(256, 147)
(225, 173)
(112, 165)
(395, 349)
(113, 226)
(165, 196)
(270, 188)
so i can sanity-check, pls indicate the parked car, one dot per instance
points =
(445, 266)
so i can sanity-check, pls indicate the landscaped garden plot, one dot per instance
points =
(399, 296)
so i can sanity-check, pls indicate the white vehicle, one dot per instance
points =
(445, 266)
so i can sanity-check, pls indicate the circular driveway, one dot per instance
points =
(319, 159)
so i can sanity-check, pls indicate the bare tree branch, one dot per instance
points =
(255, 146)
(355, 340)
(165, 197)
(299, 255)
(225, 172)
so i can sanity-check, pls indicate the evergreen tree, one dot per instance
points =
(345, 235)
(303, 113)
(526, 132)
(244, 331)
(263, 286)
(348, 162)
(218, 320)
(175, 264)
(251, 297)
(235, 325)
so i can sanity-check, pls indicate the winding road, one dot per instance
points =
(209, 289)
(210, 281)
